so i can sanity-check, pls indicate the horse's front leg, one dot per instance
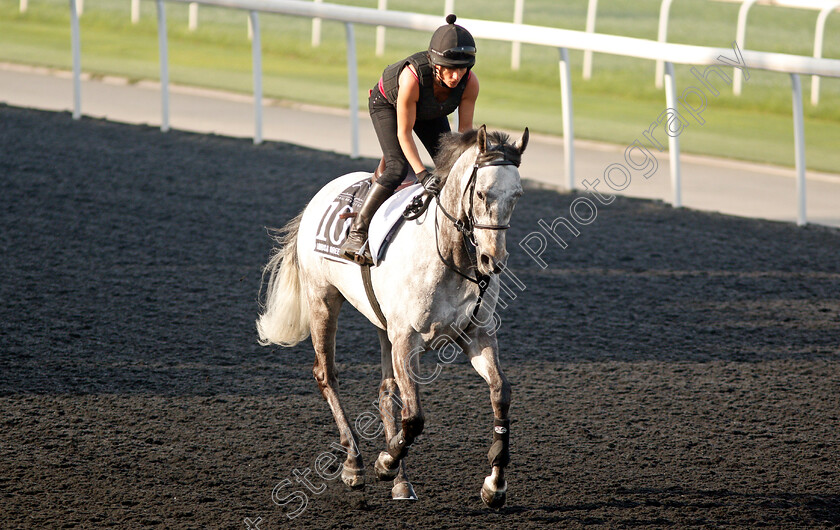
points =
(406, 366)
(483, 352)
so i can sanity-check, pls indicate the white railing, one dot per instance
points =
(561, 39)
(825, 7)
(591, 14)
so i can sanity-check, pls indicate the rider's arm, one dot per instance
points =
(407, 97)
(466, 108)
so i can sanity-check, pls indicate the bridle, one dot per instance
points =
(498, 155)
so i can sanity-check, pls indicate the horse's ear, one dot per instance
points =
(523, 142)
(482, 139)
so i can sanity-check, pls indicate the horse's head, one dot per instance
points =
(489, 194)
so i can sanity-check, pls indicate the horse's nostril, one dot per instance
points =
(485, 260)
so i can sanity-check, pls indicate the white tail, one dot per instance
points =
(285, 311)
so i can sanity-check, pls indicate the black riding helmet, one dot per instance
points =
(452, 46)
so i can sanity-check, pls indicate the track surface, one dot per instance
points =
(670, 367)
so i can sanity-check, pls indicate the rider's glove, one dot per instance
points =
(429, 181)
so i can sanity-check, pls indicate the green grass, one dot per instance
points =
(616, 105)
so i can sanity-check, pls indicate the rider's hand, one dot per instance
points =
(429, 181)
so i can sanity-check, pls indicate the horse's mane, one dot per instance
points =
(453, 145)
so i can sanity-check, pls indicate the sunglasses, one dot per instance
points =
(460, 52)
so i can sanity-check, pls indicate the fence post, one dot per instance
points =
(135, 11)
(380, 30)
(516, 47)
(77, 61)
(568, 117)
(192, 17)
(799, 148)
(353, 89)
(591, 11)
(256, 55)
(673, 139)
(818, 48)
(316, 29)
(164, 67)
(740, 38)
(662, 36)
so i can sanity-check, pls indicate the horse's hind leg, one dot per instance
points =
(324, 307)
(387, 468)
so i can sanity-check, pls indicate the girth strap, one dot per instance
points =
(374, 303)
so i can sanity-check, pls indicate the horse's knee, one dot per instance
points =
(413, 426)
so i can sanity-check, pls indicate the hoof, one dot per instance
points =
(404, 492)
(355, 478)
(383, 472)
(493, 497)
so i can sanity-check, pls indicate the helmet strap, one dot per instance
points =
(438, 77)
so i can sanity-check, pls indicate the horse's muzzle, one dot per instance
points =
(488, 264)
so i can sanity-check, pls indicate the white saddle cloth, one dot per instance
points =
(387, 219)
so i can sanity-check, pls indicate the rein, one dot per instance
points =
(497, 156)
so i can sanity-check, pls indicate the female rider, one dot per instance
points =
(417, 93)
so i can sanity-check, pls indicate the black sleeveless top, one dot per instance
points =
(428, 108)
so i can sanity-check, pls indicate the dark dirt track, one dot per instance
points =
(670, 368)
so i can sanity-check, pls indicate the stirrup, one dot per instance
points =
(363, 257)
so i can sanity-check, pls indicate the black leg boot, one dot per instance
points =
(359, 231)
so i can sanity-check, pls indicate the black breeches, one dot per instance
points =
(384, 118)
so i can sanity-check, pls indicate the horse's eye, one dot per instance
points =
(480, 195)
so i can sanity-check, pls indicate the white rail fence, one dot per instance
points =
(825, 8)
(561, 39)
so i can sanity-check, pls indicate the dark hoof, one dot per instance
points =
(383, 472)
(355, 478)
(493, 497)
(403, 492)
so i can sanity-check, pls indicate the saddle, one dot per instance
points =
(337, 218)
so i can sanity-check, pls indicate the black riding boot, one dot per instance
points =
(359, 231)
